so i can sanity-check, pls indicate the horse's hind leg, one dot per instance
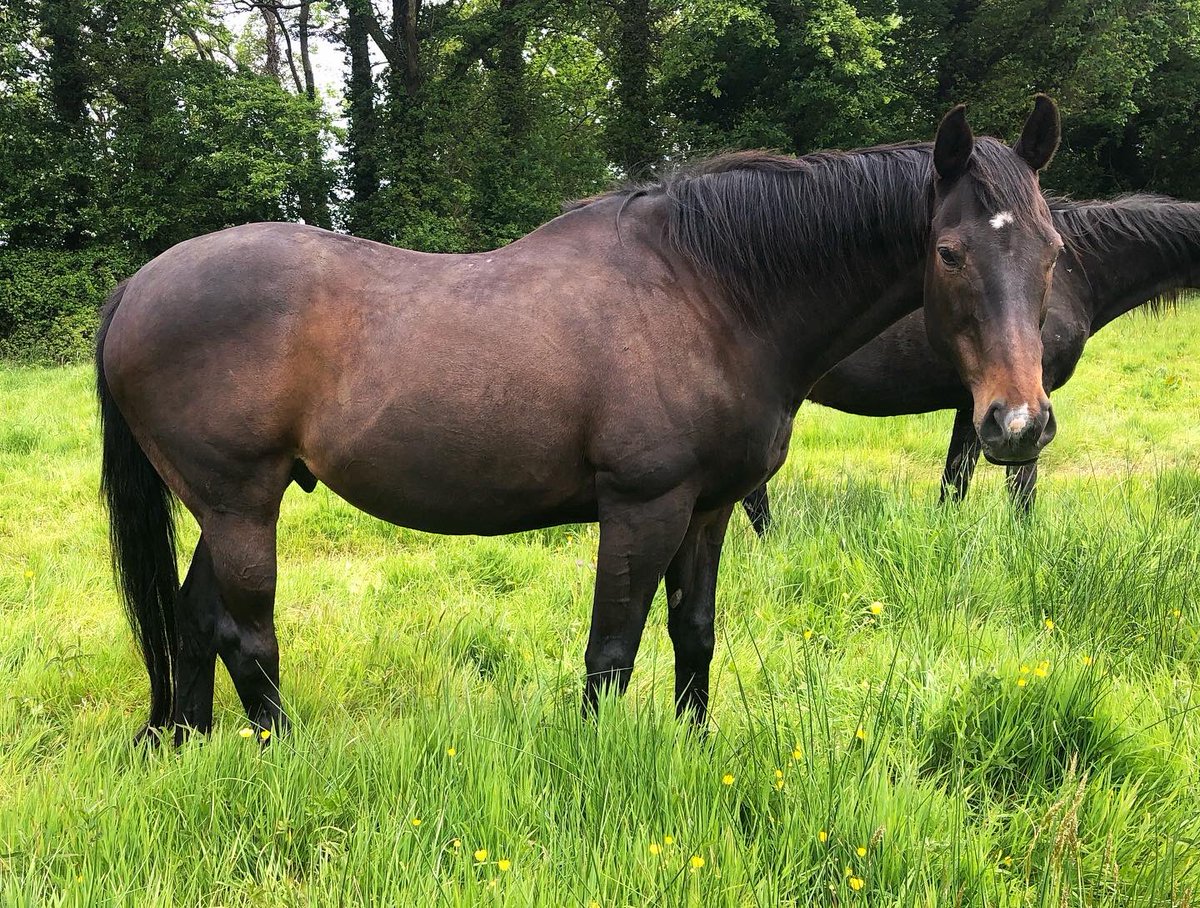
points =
(961, 457)
(691, 609)
(243, 563)
(197, 613)
(758, 509)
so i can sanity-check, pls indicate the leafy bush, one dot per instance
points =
(50, 300)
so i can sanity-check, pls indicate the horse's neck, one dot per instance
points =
(861, 313)
(1125, 270)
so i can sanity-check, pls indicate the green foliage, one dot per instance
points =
(49, 300)
(140, 125)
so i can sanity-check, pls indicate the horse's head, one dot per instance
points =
(992, 249)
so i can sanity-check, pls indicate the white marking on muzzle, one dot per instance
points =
(1018, 419)
(1003, 219)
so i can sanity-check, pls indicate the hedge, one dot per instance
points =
(50, 300)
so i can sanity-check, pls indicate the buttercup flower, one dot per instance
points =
(697, 862)
(876, 608)
(503, 865)
(654, 848)
(822, 836)
(727, 779)
(668, 840)
(856, 883)
(247, 732)
(481, 855)
(861, 851)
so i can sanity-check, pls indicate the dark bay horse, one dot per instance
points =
(595, 369)
(1120, 254)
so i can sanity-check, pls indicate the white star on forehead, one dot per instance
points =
(1003, 219)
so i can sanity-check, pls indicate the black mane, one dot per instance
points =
(1168, 227)
(761, 224)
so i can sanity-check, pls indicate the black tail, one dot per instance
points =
(142, 530)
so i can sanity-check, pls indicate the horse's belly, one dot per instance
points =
(455, 488)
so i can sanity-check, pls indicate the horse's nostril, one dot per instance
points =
(992, 428)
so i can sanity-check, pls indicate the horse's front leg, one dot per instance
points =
(637, 541)
(691, 609)
(961, 458)
(1022, 486)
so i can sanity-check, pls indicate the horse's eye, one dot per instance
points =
(949, 258)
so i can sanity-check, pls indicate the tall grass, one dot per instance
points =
(912, 705)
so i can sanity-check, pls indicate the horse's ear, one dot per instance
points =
(954, 144)
(1039, 139)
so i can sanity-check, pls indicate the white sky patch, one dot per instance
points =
(1003, 219)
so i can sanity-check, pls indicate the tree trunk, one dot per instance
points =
(271, 63)
(512, 99)
(63, 23)
(632, 141)
(361, 132)
(310, 85)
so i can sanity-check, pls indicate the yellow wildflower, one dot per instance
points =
(1021, 682)
(504, 865)
(861, 851)
(416, 821)
(654, 848)
(822, 836)
(808, 634)
(697, 862)
(779, 773)
(1087, 660)
(727, 779)
(456, 843)
(451, 752)
(779, 784)
(29, 576)
(1042, 669)
(856, 883)
(481, 855)
(861, 734)
(876, 608)
(265, 733)
(668, 840)
(1024, 669)
(797, 753)
(247, 732)
(1049, 624)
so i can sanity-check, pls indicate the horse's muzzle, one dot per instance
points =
(1016, 435)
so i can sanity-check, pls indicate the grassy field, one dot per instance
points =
(1016, 725)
